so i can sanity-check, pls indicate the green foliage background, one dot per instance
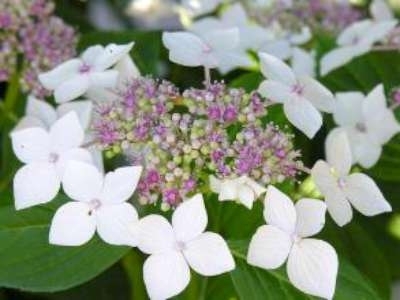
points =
(30, 268)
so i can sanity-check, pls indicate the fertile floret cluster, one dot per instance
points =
(183, 138)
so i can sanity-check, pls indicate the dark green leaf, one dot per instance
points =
(30, 263)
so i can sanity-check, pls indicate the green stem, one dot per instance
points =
(203, 289)
(132, 263)
(8, 114)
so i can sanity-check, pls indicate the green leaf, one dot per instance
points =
(255, 283)
(145, 52)
(111, 284)
(28, 262)
(355, 243)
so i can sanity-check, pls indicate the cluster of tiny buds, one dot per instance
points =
(182, 138)
(29, 29)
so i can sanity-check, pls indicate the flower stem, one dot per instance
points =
(207, 76)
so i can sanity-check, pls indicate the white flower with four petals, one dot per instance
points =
(359, 37)
(302, 97)
(76, 77)
(100, 205)
(214, 49)
(343, 190)
(45, 153)
(312, 264)
(367, 122)
(173, 248)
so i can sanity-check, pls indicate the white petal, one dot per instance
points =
(204, 25)
(382, 128)
(253, 37)
(246, 195)
(82, 108)
(275, 91)
(275, 69)
(115, 224)
(72, 88)
(184, 48)
(215, 184)
(28, 122)
(223, 39)
(354, 32)
(230, 60)
(111, 55)
(338, 151)
(82, 181)
(303, 115)
(235, 14)
(303, 62)
(120, 184)
(35, 183)
(375, 102)
(380, 10)
(312, 268)
(97, 158)
(269, 247)
(190, 219)
(348, 108)
(341, 56)
(209, 255)
(91, 54)
(127, 69)
(63, 72)
(72, 225)
(365, 196)
(155, 235)
(165, 275)
(257, 188)
(31, 144)
(301, 37)
(310, 216)
(381, 123)
(229, 189)
(279, 48)
(41, 109)
(379, 31)
(75, 154)
(101, 95)
(317, 94)
(279, 210)
(365, 150)
(338, 206)
(104, 79)
(67, 132)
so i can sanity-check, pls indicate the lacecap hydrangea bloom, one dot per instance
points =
(30, 29)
